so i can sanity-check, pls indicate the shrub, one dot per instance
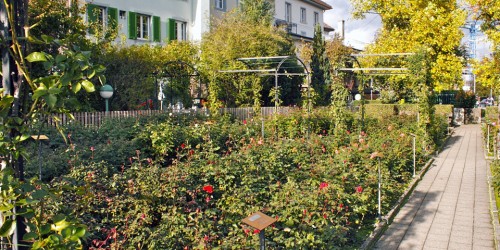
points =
(321, 187)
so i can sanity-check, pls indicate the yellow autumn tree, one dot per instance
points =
(487, 71)
(410, 25)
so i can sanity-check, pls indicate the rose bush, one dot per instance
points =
(321, 187)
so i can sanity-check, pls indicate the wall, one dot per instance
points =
(303, 29)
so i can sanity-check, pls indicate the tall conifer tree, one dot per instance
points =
(320, 67)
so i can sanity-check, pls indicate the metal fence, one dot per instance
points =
(95, 119)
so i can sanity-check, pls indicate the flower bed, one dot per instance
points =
(194, 184)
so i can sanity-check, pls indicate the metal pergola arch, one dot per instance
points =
(374, 71)
(178, 69)
(272, 66)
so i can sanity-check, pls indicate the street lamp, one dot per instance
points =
(106, 92)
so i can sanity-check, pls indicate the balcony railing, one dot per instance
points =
(289, 26)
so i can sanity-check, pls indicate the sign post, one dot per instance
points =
(260, 221)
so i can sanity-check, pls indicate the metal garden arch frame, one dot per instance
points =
(374, 71)
(272, 66)
(179, 69)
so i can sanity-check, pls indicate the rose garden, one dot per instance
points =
(327, 170)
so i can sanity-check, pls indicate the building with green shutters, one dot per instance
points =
(160, 21)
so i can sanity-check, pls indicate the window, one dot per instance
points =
(220, 4)
(100, 17)
(303, 17)
(143, 25)
(316, 18)
(122, 14)
(288, 12)
(177, 30)
(181, 31)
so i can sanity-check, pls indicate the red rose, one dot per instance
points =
(323, 185)
(359, 189)
(208, 188)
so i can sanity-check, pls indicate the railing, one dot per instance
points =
(95, 119)
(290, 27)
(249, 113)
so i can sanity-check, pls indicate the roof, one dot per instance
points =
(328, 27)
(320, 4)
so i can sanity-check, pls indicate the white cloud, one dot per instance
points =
(358, 33)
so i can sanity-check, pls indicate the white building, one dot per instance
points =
(154, 21)
(301, 16)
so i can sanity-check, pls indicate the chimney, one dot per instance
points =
(340, 29)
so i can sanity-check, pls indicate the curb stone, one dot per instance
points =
(493, 209)
(493, 202)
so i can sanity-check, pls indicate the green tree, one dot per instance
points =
(134, 68)
(63, 20)
(235, 37)
(339, 56)
(257, 11)
(25, 99)
(320, 67)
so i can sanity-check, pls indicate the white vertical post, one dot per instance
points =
(379, 190)
(488, 138)
(414, 155)
(262, 129)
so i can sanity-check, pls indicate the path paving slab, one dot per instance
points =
(449, 208)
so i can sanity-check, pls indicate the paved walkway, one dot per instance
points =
(449, 208)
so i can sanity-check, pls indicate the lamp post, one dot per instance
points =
(106, 92)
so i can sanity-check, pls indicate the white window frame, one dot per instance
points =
(220, 4)
(102, 18)
(181, 30)
(316, 18)
(288, 12)
(143, 26)
(303, 15)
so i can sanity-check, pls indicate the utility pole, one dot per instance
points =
(471, 26)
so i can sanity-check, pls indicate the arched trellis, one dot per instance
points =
(373, 71)
(273, 66)
(173, 71)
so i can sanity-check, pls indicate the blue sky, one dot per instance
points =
(359, 33)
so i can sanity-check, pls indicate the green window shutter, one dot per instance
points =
(112, 17)
(91, 13)
(171, 30)
(132, 25)
(156, 29)
(91, 16)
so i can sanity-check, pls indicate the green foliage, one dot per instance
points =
(224, 44)
(321, 79)
(43, 80)
(322, 190)
(465, 99)
(257, 11)
(46, 230)
(143, 67)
